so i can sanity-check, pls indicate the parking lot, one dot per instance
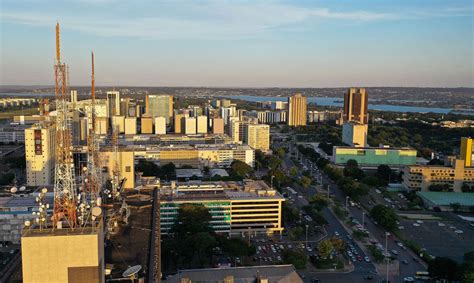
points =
(450, 237)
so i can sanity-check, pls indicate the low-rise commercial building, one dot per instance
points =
(374, 156)
(422, 177)
(236, 208)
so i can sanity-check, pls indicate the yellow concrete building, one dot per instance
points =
(130, 126)
(355, 134)
(40, 141)
(179, 123)
(147, 125)
(420, 177)
(467, 153)
(297, 105)
(258, 136)
(63, 255)
(125, 163)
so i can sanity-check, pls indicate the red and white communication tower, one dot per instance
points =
(64, 182)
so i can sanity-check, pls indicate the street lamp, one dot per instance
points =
(328, 189)
(271, 181)
(386, 254)
(347, 198)
(306, 235)
(363, 218)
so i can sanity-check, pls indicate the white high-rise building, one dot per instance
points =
(201, 124)
(160, 126)
(40, 141)
(190, 126)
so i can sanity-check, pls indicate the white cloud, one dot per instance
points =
(191, 20)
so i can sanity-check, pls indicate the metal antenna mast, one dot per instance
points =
(64, 181)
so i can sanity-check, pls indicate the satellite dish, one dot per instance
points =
(44, 190)
(96, 211)
(27, 223)
(132, 271)
(22, 188)
(99, 201)
(13, 190)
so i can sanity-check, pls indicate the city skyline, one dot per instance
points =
(242, 44)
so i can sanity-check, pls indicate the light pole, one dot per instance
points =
(363, 218)
(271, 182)
(328, 189)
(386, 254)
(306, 235)
(347, 198)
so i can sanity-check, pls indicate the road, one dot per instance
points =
(376, 231)
(361, 269)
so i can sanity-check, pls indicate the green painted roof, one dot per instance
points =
(446, 198)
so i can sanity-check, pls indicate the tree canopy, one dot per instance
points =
(385, 216)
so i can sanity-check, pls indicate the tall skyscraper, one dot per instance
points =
(467, 153)
(160, 106)
(258, 136)
(113, 103)
(40, 144)
(355, 105)
(297, 105)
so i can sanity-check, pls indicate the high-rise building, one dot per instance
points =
(190, 126)
(217, 126)
(118, 122)
(201, 124)
(467, 153)
(159, 106)
(131, 126)
(160, 126)
(354, 134)
(258, 136)
(179, 122)
(147, 125)
(355, 105)
(113, 103)
(297, 105)
(73, 96)
(40, 144)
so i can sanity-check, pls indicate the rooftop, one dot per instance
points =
(244, 274)
(447, 198)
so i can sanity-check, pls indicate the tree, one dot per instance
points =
(147, 168)
(455, 206)
(280, 152)
(383, 173)
(298, 259)
(240, 169)
(443, 268)
(167, 171)
(293, 171)
(385, 216)
(353, 171)
(273, 162)
(6, 178)
(192, 219)
(296, 233)
(338, 244)
(305, 182)
(325, 248)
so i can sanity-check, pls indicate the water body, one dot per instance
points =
(322, 101)
(339, 102)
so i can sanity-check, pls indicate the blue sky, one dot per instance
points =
(241, 43)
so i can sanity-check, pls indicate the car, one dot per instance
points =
(405, 262)
(336, 233)
(419, 221)
(415, 259)
(367, 259)
(368, 277)
(279, 258)
(359, 258)
(309, 249)
(458, 231)
(441, 224)
(408, 279)
(349, 253)
(315, 280)
(416, 224)
(353, 259)
(401, 227)
(400, 245)
(394, 252)
(290, 246)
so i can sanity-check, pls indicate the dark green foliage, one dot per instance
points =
(385, 216)
(6, 178)
(165, 172)
(240, 169)
(444, 268)
(298, 259)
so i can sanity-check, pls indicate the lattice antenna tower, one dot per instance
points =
(64, 181)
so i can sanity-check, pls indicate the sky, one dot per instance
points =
(253, 43)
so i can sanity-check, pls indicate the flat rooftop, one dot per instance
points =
(244, 274)
(447, 198)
